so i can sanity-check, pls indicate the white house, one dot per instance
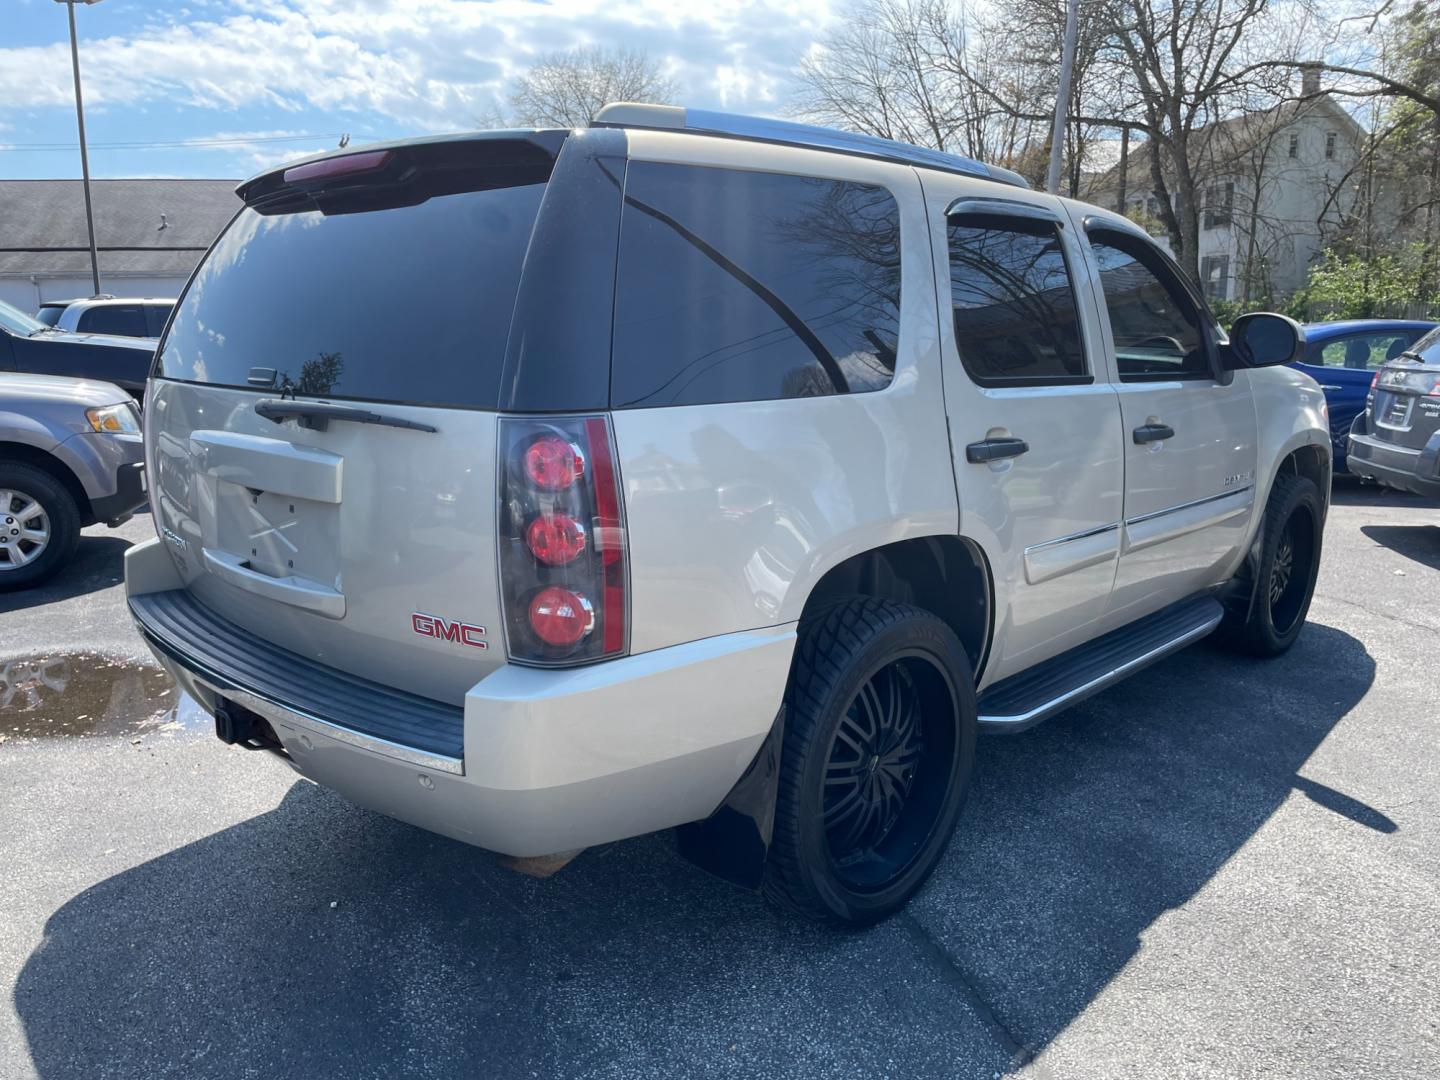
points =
(1277, 186)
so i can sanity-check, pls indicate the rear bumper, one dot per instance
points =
(545, 760)
(1414, 470)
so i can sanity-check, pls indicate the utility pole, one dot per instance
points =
(84, 155)
(1062, 100)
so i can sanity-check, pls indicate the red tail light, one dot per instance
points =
(553, 463)
(560, 617)
(555, 539)
(563, 561)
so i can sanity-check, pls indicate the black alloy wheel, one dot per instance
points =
(878, 750)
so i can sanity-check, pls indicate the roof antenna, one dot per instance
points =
(344, 140)
(163, 224)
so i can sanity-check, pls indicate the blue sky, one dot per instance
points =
(245, 84)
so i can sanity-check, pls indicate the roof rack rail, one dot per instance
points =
(788, 133)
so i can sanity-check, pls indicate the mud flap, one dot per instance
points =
(734, 841)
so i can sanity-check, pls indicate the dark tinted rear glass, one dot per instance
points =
(155, 315)
(370, 301)
(1015, 316)
(747, 286)
(1427, 348)
(50, 315)
(125, 319)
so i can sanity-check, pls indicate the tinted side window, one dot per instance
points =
(1155, 324)
(126, 319)
(1366, 351)
(748, 286)
(1015, 317)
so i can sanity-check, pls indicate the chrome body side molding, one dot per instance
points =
(1065, 554)
(1177, 521)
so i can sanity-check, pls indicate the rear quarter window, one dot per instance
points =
(155, 316)
(127, 320)
(751, 286)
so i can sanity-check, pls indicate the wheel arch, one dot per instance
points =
(1312, 462)
(1304, 456)
(947, 575)
(25, 454)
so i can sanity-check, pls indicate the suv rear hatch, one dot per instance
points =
(1404, 402)
(322, 427)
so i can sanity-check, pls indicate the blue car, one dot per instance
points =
(1343, 358)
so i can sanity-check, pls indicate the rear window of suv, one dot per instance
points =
(365, 299)
(752, 286)
(1427, 349)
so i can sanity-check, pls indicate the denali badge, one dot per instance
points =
(459, 632)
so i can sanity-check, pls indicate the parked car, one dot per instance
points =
(1343, 358)
(655, 520)
(142, 317)
(70, 456)
(50, 311)
(27, 344)
(1396, 440)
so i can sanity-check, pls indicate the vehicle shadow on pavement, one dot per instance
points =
(321, 940)
(1347, 491)
(1418, 542)
(99, 563)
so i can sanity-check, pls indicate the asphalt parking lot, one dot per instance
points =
(1224, 867)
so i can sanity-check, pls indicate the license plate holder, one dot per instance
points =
(1396, 412)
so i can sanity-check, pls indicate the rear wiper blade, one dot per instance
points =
(316, 415)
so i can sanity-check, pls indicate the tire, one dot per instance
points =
(1284, 576)
(34, 504)
(870, 784)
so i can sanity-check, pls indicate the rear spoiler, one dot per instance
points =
(404, 173)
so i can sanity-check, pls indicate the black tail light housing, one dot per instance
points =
(564, 565)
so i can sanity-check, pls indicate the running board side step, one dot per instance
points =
(1023, 700)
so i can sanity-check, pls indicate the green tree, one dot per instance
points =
(1352, 287)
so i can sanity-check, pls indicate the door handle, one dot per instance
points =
(977, 453)
(1330, 386)
(1148, 433)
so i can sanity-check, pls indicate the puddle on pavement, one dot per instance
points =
(79, 695)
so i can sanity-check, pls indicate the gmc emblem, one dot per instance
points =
(459, 632)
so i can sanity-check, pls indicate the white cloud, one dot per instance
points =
(425, 64)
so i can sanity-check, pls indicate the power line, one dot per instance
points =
(179, 144)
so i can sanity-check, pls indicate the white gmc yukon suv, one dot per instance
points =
(546, 488)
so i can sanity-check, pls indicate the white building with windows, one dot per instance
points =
(1278, 186)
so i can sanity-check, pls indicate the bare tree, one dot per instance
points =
(567, 89)
(923, 72)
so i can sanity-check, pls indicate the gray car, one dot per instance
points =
(70, 456)
(1396, 440)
